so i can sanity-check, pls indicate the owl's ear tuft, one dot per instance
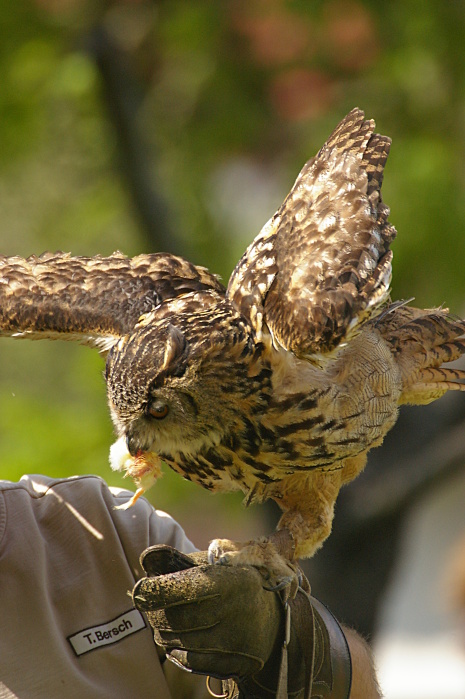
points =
(176, 344)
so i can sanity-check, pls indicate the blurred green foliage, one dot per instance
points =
(228, 99)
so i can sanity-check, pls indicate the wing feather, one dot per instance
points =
(94, 300)
(322, 264)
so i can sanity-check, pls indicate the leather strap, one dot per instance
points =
(333, 666)
(305, 628)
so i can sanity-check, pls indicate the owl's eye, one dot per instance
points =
(158, 409)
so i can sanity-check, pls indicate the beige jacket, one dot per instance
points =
(67, 561)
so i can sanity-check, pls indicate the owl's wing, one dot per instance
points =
(322, 264)
(93, 300)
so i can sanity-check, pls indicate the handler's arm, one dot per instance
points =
(364, 683)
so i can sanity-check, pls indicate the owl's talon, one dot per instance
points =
(285, 582)
(216, 555)
(211, 555)
(224, 560)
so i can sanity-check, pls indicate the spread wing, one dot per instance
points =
(322, 264)
(94, 300)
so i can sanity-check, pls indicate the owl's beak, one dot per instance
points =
(136, 445)
(136, 438)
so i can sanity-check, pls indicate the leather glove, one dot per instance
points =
(219, 621)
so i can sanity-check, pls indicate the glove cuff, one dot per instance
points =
(318, 662)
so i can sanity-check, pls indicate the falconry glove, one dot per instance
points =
(219, 621)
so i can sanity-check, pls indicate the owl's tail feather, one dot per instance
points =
(422, 341)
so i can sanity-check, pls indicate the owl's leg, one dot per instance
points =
(308, 504)
(308, 500)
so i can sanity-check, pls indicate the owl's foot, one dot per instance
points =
(272, 556)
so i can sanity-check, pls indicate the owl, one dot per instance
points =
(279, 384)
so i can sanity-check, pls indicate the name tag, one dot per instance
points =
(104, 634)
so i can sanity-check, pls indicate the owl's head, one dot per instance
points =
(177, 384)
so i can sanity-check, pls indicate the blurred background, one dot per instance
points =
(180, 126)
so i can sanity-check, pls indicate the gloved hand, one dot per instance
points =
(218, 620)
